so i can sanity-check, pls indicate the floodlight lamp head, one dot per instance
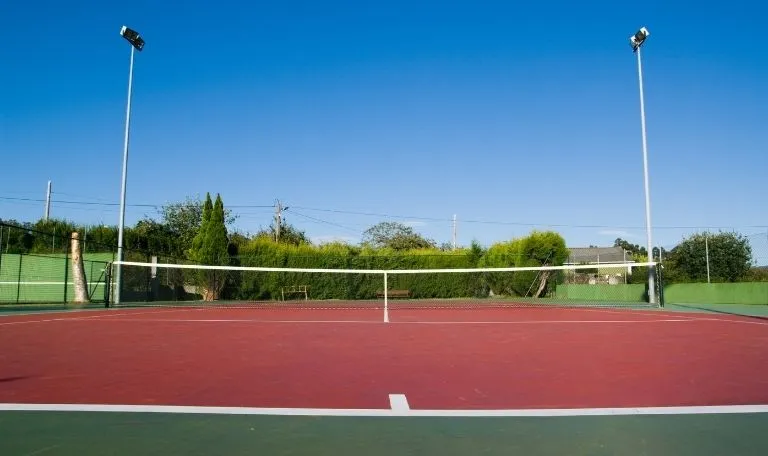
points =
(133, 37)
(639, 38)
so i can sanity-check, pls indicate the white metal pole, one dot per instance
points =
(454, 232)
(651, 278)
(118, 271)
(48, 201)
(624, 253)
(386, 306)
(706, 252)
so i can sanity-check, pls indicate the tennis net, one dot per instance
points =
(592, 285)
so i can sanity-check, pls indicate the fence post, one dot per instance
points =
(89, 278)
(18, 280)
(107, 283)
(66, 271)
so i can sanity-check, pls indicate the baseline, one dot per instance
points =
(181, 409)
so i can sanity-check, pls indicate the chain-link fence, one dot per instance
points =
(712, 269)
(36, 266)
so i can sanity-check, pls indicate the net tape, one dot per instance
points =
(568, 267)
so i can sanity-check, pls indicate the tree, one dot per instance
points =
(217, 241)
(289, 234)
(396, 236)
(545, 248)
(149, 237)
(211, 247)
(196, 251)
(633, 249)
(236, 241)
(539, 248)
(183, 219)
(16, 237)
(730, 258)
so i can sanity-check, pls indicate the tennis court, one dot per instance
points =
(296, 378)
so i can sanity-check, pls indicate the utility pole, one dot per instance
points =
(48, 202)
(454, 231)
(278, 218)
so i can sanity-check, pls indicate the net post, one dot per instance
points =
(18, 280)
(107, 284)
(386, 306)
(155, 283)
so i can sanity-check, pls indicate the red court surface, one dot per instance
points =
(439, 359)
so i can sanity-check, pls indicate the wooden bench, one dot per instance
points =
(394, 294)
(295, 289)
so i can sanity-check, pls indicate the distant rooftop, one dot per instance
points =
(580, 255)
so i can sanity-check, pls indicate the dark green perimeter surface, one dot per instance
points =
(748, 310)
(58, 433)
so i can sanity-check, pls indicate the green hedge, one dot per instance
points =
(267, 285)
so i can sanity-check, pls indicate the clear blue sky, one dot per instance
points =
(517, 112)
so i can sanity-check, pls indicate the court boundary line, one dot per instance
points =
(744, 322)
(22, 313)
(90, 317)
(696, 315)
(390, 412)
(415, 322)
(32, 282)
(115, 314)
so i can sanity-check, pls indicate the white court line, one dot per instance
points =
(536, 322)
(46, 320)
(619, 411)
(726, 320)
(695, 315)
(13, 313)
(646, 313)
(526, 322)
(399, 403)
(98, 284)
(237, 320)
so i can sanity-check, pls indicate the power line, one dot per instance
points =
(496, 222)
(100, 203)
(85, 203)
(391, 216)
(352, 230)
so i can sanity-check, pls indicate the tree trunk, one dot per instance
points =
(542, 283)
(78, 271)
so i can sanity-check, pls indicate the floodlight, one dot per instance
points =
(133, 37)
(638, 38)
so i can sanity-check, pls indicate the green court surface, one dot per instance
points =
(100, 433)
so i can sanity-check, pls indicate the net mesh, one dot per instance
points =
(616, 285)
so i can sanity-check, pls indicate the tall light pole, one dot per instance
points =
(137, 43)
(637, 41)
